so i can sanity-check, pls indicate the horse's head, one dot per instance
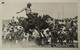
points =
(20, 19)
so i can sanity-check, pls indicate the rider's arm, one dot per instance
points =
(21, 11)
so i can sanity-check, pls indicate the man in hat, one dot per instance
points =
(28, 11)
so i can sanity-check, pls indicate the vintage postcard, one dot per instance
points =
(28, 24)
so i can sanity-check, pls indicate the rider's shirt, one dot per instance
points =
(28, 10)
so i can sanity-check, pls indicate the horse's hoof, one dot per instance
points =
(16, 41)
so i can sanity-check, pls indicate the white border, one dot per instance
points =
(43, 48)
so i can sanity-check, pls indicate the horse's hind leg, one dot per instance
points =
(40, 36)
(43, 34)
(39, 33)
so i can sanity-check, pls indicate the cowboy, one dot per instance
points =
(28, 11)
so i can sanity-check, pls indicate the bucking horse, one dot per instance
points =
(40, 24)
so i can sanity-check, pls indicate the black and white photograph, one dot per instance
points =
(39, 24)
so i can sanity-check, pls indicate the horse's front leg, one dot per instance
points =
(26, 37)
(16, 40)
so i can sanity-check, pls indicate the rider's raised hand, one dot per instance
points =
(17, 12)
